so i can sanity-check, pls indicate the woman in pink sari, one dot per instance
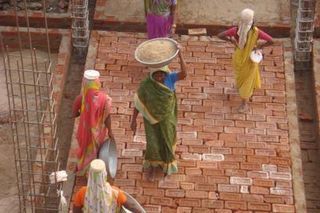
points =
(160, 16)
(94, 108)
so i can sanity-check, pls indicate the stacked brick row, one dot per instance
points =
(227, 161)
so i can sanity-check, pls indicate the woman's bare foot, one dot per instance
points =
(243, 108)
(151, 174)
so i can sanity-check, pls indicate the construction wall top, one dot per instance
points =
(206, 12)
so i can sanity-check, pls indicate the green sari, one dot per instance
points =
(158, 105)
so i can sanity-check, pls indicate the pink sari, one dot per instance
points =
(94, 109)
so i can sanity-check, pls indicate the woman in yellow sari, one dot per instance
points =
(245, 38)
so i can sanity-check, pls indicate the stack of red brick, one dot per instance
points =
(227, 161)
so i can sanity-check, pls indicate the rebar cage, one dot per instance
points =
(33, 121)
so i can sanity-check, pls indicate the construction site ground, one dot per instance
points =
(228, 162)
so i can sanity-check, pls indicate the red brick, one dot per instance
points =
(133, 175)
(196, 194)
(256, 145)
(196, 178)
(163, 201)
(228, 188)
(215, 172)
(262, 182)
(212, 157)
(229, 165)
(186, 202)
(199, 149)
(259, 206)
(230, 196)
(218, 150)
(283, 208)
(259, 190)
(245, 124)
(236, 172)
(176, 177)
(236, 205)
(253, 197)
(250, 166)
(187, 186)
(193, 171)
(190, 156)
(280, 161)
(280, 191)
(280, 175)
(234, 144)
(175, 193)
(236, 130)
(168, 209)
(153, 191)
(207, 164)
(258, 174)
(241, 180)
(237, 158)
(205, 187)
(265, 152)
(215, 204)
(184, 210)
(217, 179)
(207, 136)
(187, 163)
(168, 184)
(223, 211)
(153, 208)
(242, 151)
(258, 159)
(124, 182)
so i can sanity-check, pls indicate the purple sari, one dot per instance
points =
(159, 26)
(159, 19)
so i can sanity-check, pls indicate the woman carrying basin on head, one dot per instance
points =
(245, 38)
(156, 101)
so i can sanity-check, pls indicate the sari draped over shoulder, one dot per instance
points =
(158, 105)
(95, 108)
(246, 72)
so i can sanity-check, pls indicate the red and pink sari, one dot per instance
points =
(94, 106)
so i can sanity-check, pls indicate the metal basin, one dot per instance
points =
(108, 153)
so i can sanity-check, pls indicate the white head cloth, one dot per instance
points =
(245, 24)
(91, 74)
(99, 195)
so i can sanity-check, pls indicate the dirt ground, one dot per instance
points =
(8, 191)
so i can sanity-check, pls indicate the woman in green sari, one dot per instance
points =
(156, 101)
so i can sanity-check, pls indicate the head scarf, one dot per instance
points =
(99, 195)
(163, 69)
(245, 24)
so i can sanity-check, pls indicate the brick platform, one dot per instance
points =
(227, 161)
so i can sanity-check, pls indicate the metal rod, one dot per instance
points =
(46, 27)
(10, 112)
(27, 132)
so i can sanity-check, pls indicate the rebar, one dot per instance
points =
(33, 121)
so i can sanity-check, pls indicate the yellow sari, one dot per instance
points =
(246, 72)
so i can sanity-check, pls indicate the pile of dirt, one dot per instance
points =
(52, 6)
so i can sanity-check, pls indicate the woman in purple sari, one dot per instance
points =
(160, 16)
